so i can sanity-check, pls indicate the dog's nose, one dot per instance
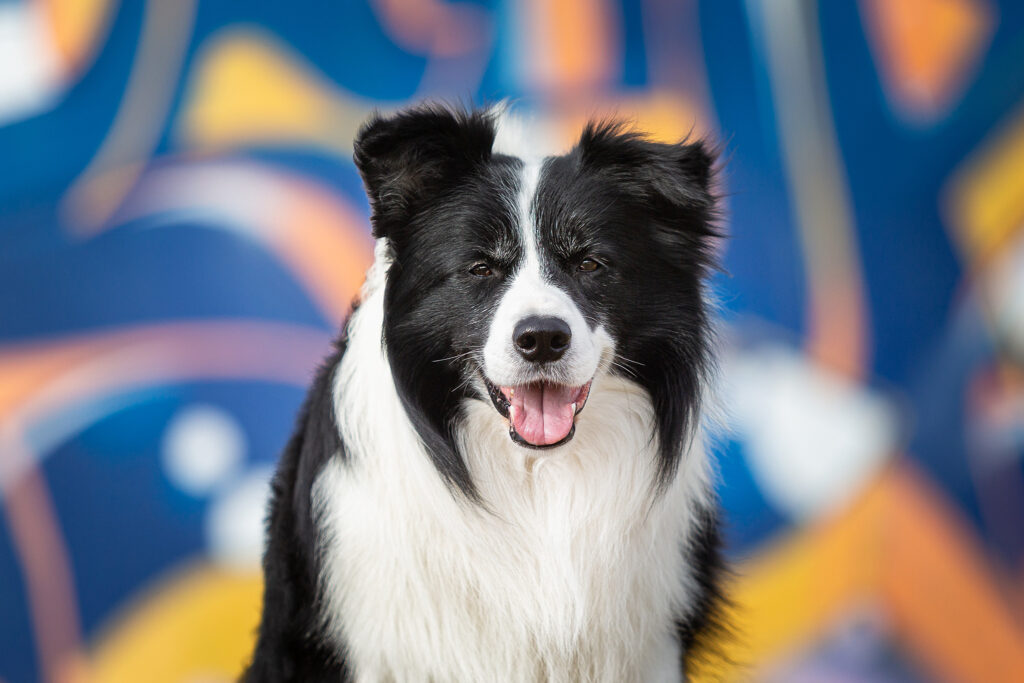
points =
(541, 338)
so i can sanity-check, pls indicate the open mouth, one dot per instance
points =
(540, 414)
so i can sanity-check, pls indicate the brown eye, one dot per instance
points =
(589, 265)
(481, 270)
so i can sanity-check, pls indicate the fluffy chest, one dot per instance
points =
(571, 569)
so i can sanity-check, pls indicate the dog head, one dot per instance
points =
(516, 278)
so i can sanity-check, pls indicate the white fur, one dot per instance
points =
(572, 570)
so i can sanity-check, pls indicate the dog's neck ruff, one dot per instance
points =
(569, 568)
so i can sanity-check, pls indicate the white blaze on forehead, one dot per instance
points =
(529, 182)
(517, 136)
(514, 137)
(509, 134)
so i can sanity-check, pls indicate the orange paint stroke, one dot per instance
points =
(570, 46)
(326, 245)
(45, 569)
(943, 595)
(900, 541)
(432, 28)
(663, 115)
(77, 27)
(323, 241)
(41, 378)
(926, 50)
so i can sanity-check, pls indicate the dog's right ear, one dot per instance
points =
(407, 158)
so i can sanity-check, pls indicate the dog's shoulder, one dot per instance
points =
(290, 646)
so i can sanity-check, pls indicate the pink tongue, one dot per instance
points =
(542, 414)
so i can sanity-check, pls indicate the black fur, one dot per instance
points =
(435, 190)
(646, 210)
(291, 645)
(702, 631)
(615, 195)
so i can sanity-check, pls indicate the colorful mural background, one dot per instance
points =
(182, 230)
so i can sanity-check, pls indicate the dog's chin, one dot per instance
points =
(540, 414)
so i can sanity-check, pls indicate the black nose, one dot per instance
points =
(541, 338)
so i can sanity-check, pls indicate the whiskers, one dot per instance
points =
(467, 359)
(464, 383)
(629, 367)
(458, 356)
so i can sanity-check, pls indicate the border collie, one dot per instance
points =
(499, 475)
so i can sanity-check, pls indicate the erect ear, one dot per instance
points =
(676, 177)
(410, 156)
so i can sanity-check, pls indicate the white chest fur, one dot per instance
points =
(573, 571)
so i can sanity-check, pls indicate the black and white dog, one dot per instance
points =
(499, 475)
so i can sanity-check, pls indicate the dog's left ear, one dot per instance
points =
(410, 157)
(676, 179)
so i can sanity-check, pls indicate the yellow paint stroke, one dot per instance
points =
(984, 201)
(99, 190)
(198, 624)
(248, 89)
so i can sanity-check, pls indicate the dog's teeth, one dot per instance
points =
(574, 408)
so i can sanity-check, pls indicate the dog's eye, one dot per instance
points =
(588, 265)
(481, 270)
